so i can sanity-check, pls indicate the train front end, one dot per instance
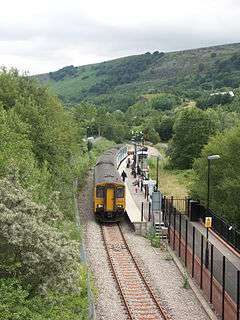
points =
(109, 204)
(109, 190)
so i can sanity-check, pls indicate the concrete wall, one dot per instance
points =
(142, 228)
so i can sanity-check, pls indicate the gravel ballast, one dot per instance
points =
(165, 278)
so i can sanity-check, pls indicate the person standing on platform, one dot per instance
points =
(128, 162)
(124, 176)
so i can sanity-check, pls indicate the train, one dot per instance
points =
(109, 200)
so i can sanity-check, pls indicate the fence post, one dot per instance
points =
(142, 213)
(223, 285)
(193, 251)
(179, 238)
(186, 241)
(149, 211)
(238, 288)
(174, 228)
(211, 273)
(201, 274)
(186, 205)
(169, 224)
(235, 239)
(164, 210)
(171, 203)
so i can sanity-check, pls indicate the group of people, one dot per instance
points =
(134, 171)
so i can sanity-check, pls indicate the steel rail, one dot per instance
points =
(162, 311)
(115, 275)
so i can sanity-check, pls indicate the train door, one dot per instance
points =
(110, 200)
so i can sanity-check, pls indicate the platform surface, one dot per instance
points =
(133, 199)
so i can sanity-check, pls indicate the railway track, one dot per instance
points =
(139, 299)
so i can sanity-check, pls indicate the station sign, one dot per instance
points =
(208, 222)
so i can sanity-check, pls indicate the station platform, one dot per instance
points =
(134, 196)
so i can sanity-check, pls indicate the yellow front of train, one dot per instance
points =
(109, 190)
(109, 201)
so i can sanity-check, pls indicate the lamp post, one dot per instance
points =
(157, 173)
(209, 158)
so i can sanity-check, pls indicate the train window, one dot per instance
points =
(120, 193)
(100, 192)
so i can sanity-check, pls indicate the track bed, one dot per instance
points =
(139, 299)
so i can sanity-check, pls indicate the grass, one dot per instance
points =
(171, 182)
(185, 281)
(154, 239)
(168, 258)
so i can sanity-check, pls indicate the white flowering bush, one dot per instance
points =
(30, 247)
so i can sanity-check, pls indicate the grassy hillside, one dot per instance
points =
(117, 83)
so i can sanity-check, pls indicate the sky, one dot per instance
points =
(42, 36)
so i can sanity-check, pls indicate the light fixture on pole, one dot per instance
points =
(208, 220)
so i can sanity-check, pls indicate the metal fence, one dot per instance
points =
(228, 232)
(218, 278)
(223, 228)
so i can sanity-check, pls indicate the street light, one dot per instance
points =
(157, 173)
(209, 158)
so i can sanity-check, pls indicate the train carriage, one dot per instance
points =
(109, 190)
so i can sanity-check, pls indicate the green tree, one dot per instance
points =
(225, 175)
(165, 128)
(192, 129)
(164, 101)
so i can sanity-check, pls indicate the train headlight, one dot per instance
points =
(120, 206)
(99, 205)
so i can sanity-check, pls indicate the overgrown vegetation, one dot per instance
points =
(185, 281)
(42, 152)
(154, 238)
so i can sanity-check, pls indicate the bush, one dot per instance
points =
(18, 302)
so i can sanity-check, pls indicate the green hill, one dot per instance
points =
(118, 83)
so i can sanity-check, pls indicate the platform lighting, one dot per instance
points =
(209, 159)
(157, 173)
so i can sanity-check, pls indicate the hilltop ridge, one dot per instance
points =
(120, 81)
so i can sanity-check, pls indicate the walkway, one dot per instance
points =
(134, 196)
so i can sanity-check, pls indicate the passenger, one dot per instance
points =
(138, 170)
(128, 162)
(124, 175)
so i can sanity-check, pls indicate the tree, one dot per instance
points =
(225, 175)
(40, 141)
(164, 101)
(192, 129)
(165, 128)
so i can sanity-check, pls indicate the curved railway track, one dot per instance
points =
(139, 299)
